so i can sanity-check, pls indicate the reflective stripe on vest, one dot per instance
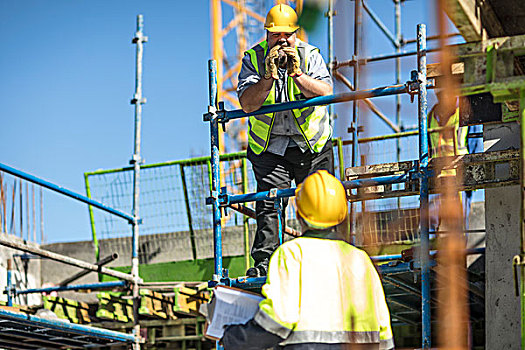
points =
(447, 143)
(302, 309)
(312, 122)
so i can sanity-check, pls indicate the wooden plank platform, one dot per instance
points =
(474, 171)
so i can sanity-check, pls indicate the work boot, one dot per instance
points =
(257, 271)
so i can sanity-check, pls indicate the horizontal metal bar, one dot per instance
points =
(64, 326)
(317, 101)
(192, 161)
(381, 258)
(260, 196)
(102, 285)
(375, 181)
(397, 135)
(102, 262)
(290, 192)
(249, 212)
(64, 191)
(65, 259)
(432, 37)
(381, 58)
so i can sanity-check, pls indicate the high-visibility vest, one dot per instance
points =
(312, 122)
(447, 142)
(324, 291)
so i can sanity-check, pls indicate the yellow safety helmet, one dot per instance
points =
(281, 18)
(321, 200)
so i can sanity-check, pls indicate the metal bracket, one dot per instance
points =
(211, 115)
(412, 86)
(136, 100)
(136, 159)
(139, 36)
(224, 198)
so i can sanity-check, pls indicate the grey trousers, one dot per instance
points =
(274, 171)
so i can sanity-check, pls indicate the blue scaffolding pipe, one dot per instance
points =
(215, 180)
(315, 101)
(9, 286)
(102, 285)
(64, 191)
(423, 185)
(87, 331)
(247, 282)
(432, 253)
(393, 55)
(290, 192)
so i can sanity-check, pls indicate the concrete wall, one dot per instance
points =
(155, 248)
(502, 207)
(26, 273)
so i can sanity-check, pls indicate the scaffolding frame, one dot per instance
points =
(219, 198)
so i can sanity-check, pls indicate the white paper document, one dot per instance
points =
(230, 306)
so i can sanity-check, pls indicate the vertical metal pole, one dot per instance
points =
(28, 226)
(34, 212)
(21, 209)
(216, 180)
(330, 15)
(423, 183)
(522, 213)
(355, 143)
(278, 207)
(42, 239)
(138, 101)
(9, 282)
(357, 39)
(92, 220)
(341, 158)
(399, 37)
(188, 212)
(246, 218)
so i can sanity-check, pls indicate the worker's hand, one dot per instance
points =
(294, 63)
(271, 62)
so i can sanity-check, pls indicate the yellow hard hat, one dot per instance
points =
(281, 18)
(321, 200)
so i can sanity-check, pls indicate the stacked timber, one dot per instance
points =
(71, 310)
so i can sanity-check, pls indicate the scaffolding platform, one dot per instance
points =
(22, 331)
(475, 171)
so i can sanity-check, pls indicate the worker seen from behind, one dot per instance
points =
(288, 145)
(321, 292)
(449, 142)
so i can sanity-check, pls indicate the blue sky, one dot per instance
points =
(68, 70)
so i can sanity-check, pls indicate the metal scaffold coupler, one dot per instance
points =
(139, 37)
(412, 86)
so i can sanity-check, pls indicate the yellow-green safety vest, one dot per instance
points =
(446, 143)
(324, 291)
(312, 122)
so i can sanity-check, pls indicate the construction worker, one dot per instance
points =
(289, 145)
(321, 292)
(449, 142)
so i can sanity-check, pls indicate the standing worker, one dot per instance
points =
(289, 145)
(321, 292)
(447, 143)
